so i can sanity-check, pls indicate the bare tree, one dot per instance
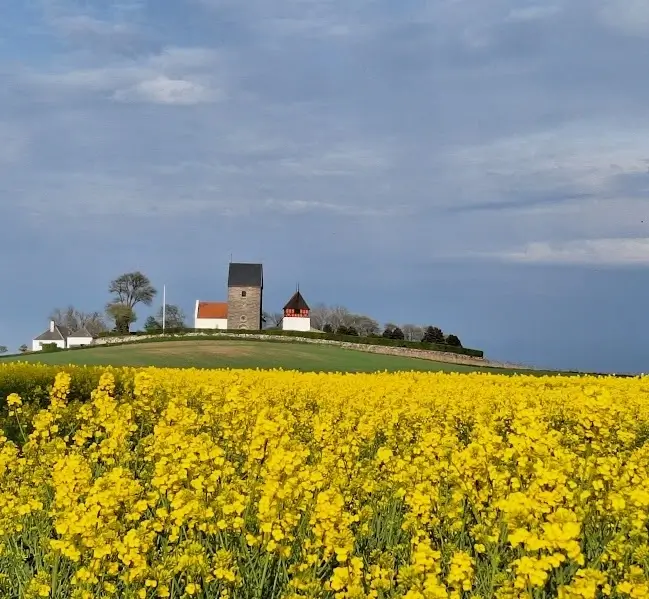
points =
(365, 325)
(275, 318)
(173, 315)
(339, 316)
(319, 316)
(75, 319)
(413, 332)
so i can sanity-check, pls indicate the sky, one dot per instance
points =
(478, 165)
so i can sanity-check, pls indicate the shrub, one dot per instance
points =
(50, 348)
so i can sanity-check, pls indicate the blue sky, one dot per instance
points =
(480, 165)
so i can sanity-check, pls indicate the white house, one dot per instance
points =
(211, 315)
(62, 337)
(296, 314)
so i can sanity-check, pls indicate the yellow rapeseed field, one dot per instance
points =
(255, 485)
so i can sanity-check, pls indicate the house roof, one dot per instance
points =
(243, 274)
(296, 302)
(212, 310)
(82, 332)
(60, 333)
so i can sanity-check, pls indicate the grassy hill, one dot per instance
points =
(242, 354)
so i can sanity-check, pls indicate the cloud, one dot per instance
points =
(628, 16)
(177, 75)
(590, 252)
(163, 90)
(532, 13)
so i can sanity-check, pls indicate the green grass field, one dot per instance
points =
(243, 354)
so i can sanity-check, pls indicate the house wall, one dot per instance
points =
(36, 345)
(244, 312)
(296, 323)
(210, 323)
(77, 341)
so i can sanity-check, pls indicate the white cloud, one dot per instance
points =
(174, 76)
(592, 252)
(163, 90)
(629, 16)
(581, 155)
(87, 25)
(533, 13)
(312, 206)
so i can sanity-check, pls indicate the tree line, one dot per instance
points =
(341, 321)
(128, 291)
(133, 289)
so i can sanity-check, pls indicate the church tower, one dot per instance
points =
(245, 296)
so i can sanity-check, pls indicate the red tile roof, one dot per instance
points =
(212, 310)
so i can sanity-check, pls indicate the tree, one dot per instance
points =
(397, 333)
(433, 335)
(174, 317)
(123, 315)
(412, 332)
(23, 348)
(454, 341)
(327, 328)
(319, 317)
(365, 325)
(274, 319)
(131, 289)
(152, 326)
(74, 319)
(387, 330)
(345, 330)
(3, 349)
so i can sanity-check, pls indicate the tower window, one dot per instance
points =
(243, 318)
(243, 294)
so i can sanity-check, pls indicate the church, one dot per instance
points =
(244, 308)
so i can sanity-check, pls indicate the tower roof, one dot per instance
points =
(243, 274)
(296, 303)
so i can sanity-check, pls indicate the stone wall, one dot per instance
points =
(244, 312)
(437, 356)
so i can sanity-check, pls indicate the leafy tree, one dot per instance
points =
(433, 335)
(327, 328)
(397, 333)
(123, 315)
(387, 330)
(345, 330)
(152, 326)
(129, 290)
(3, 349)
(454, 341)
(23, 348)
(132, 288)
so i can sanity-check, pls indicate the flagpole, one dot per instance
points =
(164, 306)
